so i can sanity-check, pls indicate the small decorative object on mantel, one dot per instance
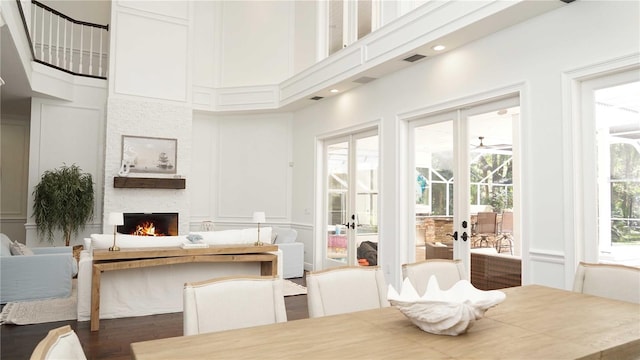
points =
(444, 312)
(124, 168)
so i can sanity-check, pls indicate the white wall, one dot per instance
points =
(305, 32)
(534, 54)
(93, 11)
(151, 50)
(241, 164)
(14, 150)
(67, 132)
(257, 40)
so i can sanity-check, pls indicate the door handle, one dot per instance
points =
(454, 235)
(464, 236)
(350, 225)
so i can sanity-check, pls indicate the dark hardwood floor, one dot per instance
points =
(115, 335)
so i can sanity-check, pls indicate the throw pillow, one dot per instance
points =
(20, 249)
(5, 245)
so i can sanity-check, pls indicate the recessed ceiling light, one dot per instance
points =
(334, 90)
(438, 47)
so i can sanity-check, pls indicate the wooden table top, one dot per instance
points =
(154, 252)
(534, 322)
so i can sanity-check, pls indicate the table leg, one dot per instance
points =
(95, 299)
(269, 267)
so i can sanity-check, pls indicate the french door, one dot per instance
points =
(351, 192)
(464, 171)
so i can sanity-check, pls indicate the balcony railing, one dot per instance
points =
(67, 44)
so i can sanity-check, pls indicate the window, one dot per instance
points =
(618, 145)
(348, 21)
(610, 143)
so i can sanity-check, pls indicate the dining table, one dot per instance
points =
(533, 322)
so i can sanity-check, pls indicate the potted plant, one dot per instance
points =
(499, 200)
(63, 200)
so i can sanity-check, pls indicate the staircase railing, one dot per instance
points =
(74, 46)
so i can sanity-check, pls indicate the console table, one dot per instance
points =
(104, 260)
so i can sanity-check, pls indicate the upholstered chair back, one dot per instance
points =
(617, 282)
(447, 272)
(345, 289)
(232, 303)
(60, 343)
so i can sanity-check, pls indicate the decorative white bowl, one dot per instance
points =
(444, 312)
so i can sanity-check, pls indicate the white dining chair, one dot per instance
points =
(60, 344)
(612, 281)
(232, 302)
(447, 272)
(345, 289)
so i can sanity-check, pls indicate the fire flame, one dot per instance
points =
(147, 228)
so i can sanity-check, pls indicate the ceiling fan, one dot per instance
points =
(482, 146)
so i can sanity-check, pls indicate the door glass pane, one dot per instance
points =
(617, 114)
(434, 190)
(336, 24)
(491, 177)
(337, 197)
(367, 200)
(491, 200)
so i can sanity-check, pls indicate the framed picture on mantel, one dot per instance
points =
(150, 155)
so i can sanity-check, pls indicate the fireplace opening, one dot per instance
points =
(150, 224)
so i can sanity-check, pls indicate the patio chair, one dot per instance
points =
(345, 289)
(612, 281)
(447, 272)
(60, 343)
(505, 241)
(232, 303)
(485, 227)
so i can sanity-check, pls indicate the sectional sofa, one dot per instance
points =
(156, 290)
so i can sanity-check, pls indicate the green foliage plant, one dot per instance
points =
(63, 200)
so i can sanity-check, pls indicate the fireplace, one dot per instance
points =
(150, 224)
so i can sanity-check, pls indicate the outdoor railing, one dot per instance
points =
(73, 46)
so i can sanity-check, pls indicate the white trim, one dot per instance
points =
(546, 256)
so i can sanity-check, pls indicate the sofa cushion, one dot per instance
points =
(20, 249)
(105, 241)
(5, 245)
(285, 236)
(243, 236)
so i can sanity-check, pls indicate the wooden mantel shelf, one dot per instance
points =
(148, 183)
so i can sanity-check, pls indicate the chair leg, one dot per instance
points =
(509, 244)
(484, 240)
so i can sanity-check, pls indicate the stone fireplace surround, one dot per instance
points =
(137, 117)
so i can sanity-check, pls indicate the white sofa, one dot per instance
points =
(156, 290)
(292, 252)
